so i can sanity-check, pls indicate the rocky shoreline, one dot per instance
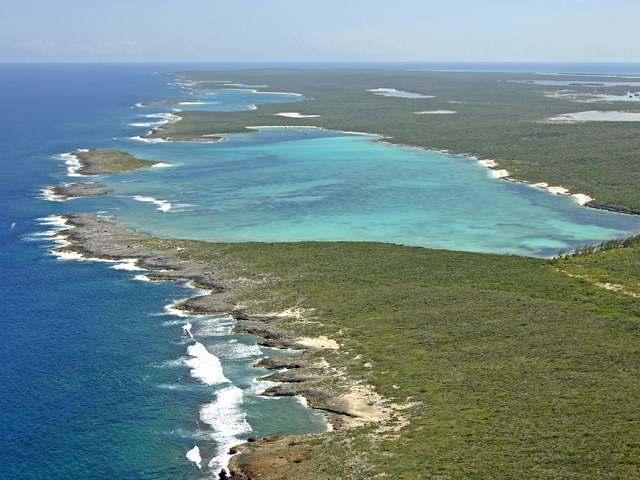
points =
(67, 191)
(82, 163)
(171, 132)
(612, 208)
(325, 387)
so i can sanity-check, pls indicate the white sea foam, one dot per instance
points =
(138, 138)
(54, 221)
(214, 326)
(72, 255)
(205, 366)
(227, 421)
(501, 173)
(49, 194)
(162, 205)
(164, 119)
(67, 255)
(147, 124)
(260, 385)
(172, 309)
(199, 291)
(142, 278)
(193, 455)
(582, 198)
(129, 264)
(186, 328)
(488, 163)
(56, 235)
(161, 165)
(170, 117)
(72, 162)
(60, 240)
(234, 349)
(558, 190)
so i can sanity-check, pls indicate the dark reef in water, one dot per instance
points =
(74, 190)
(613, 208)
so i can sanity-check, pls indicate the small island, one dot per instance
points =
(109, 161)
(94, 162)
(68, 191)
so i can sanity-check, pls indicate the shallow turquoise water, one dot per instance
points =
(308, 184)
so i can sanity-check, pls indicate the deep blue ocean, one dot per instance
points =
(96, 378)
(93, 376)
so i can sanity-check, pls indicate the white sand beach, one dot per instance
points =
(436, 112)
(294, 115)
(392, 92)
(596, 116)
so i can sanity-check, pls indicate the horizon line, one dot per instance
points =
(324, 62)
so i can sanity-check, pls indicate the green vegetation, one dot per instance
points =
(497, 118)
(509, 367)
(614, 265)
(504, 366)
(107, 161)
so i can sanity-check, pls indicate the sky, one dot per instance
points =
(320, 31)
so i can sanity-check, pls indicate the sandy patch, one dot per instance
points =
(501, 173)
(582, 198)
(580, 97)
(366, 406)
(392, 92)
(488, 163)
(595, 116)
(318, 342)
(294, 115)
(298, 313)
(436, 112)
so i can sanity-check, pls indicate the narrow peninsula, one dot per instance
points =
(416, 354)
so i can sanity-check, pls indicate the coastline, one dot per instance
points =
(346, 404)
(582, 199)
(534, 161)
(260, 457)
(92, 163)
(70, 191)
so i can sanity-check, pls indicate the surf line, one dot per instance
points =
(224, 415)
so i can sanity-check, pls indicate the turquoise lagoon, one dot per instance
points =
(295, 184)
